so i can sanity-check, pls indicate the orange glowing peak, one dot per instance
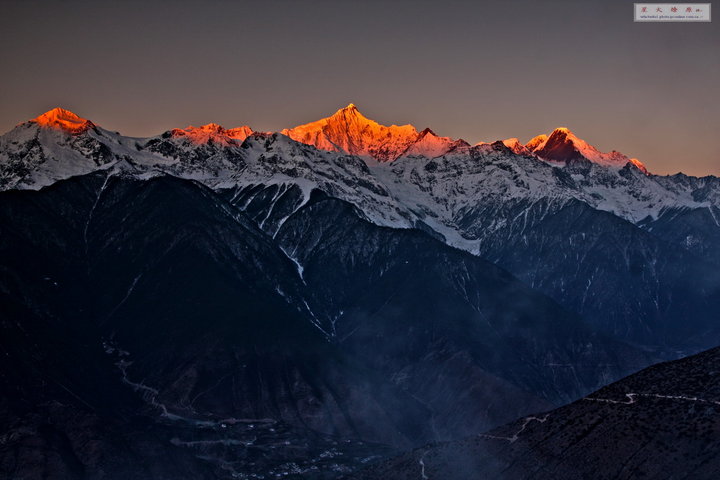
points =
(62, 119)
(640, 165)
(212, 132)
(564, 146)
(515, 145)
(349, 131)
(536, 142)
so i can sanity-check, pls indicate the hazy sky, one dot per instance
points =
(478, 70)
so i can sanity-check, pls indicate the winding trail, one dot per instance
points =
(150, 396)
(231, 442)
(632, 398)
(513, 439)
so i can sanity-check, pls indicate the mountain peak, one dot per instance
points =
(563, 146)
(429, 144)
(536, 142)
(350, 112)
(565, 134)
(349, 131)
(515, 145)
(62, 119)
(212, 132)
(211, 127)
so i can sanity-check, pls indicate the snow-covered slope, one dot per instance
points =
(51, 147)
(485, 181)
(550, 221)
(36, 154)
(431, 179)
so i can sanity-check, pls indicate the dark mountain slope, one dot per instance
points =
(123, 300)
(166, 314)
(660, 423)
(627, 281)
(458, 333)
(695, 230)
(572, 233)
(64, 413)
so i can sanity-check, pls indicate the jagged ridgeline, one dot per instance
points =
(307, 302)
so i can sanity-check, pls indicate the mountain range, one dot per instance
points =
(349, 288)
(549, 211)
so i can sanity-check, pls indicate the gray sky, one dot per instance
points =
(478, 70)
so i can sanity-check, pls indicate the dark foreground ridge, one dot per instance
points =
(660, 423)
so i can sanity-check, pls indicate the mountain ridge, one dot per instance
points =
(349, 131)
(486, 199)
(215, 280)
(221, 331)
(37, 153)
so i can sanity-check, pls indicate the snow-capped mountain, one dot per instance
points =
(60, 144)
(563, 146)
(419, 176)
(485, 199)
(64, 120)
(445, 187)
(376, 283)
(349, 131)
